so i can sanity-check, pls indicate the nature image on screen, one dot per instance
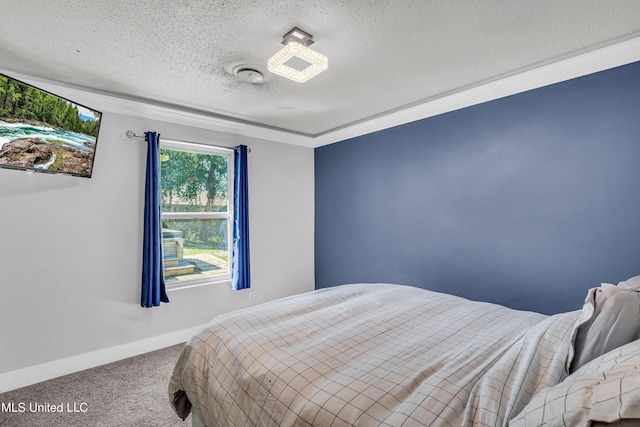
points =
(43, 132)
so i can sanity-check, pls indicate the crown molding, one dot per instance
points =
(591, 62)
(601, 59)
(148, 109)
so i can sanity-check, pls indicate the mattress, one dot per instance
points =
(370, 354)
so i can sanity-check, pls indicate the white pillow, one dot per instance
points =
(633, 283)
(606, 389)
(610, 318)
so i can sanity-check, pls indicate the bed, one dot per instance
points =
(394, 355)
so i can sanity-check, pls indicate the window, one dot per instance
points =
(196, 213)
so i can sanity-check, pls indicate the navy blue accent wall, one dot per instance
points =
(526, 201)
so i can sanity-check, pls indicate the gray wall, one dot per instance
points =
(526, 201)
(71, 248)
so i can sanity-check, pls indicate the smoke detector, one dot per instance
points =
(248, 74)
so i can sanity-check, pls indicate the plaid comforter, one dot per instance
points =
(370, 354)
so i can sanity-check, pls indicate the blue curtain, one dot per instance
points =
(153, 287)
(240, 271)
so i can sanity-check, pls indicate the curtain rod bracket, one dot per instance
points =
(132, 134)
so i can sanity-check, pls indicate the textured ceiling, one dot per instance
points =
(383, 55)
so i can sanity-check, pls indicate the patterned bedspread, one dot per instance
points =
(371, 354)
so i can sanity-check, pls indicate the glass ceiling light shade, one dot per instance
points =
(296, 44)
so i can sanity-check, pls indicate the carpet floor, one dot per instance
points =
(131, 392)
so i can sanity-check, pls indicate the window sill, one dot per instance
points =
(196, 283)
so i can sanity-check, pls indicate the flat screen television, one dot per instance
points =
(43, 132)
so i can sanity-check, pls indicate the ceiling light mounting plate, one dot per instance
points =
(299, 36)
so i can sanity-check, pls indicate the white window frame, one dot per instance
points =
(220, 151)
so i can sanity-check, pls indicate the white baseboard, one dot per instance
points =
(57, 368)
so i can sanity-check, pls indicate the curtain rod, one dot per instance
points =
(132, 134)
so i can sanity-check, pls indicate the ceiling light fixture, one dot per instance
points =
(296, 44)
